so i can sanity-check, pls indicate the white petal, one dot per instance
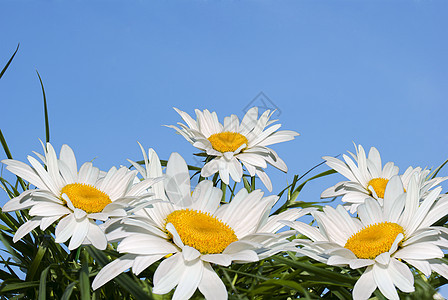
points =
(68, 157)
(253, 159)
(47, 221)
(79, 234)
(385, 282)
(421, 265)
(440, 267)
(189, 281)
(43, 174)
(235, 170)
(96, 236)
(365, 286)
(186, 117)
(190, 253)
(211, 286)
(219, 259)
(394, 188)
(176, 238)
(177, 183)
(249, 121)
(244, 256)
(206, 198)
(146, 244)
(26, 172)
(210, 168)
(142, 262)
(168, 274)
(26, 228)
(340, 167)
(47, 209)
(401, 276)
(264, 178)
(112, 270)
(65, 228)
(419, 251)
(23, 201)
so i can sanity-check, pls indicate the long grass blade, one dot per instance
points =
(68, 291)
(9, 61)
(8, 155)
(47, 123)
(84, 282)
(36, 262)
(43, 284)
(14, 286)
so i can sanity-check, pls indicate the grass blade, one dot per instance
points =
(8, 155)
(84, 282)
(9, 61)
(36, 262)
(43, 284)
(47, 123)
(68, 291)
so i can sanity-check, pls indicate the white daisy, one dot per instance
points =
(76, 199)
(234, 143)
(194, 231)
(367, 179)
(383, 239)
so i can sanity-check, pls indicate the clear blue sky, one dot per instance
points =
(372, 72)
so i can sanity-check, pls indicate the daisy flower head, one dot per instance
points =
(385, 239)
(76, 199)
(367, 177)
(234, 143)
(192, 232)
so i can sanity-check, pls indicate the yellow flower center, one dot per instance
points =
(379, 186)
(201, 231)
(227, 141)
(373, 240)
(86, 197)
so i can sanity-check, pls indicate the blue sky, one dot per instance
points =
(370, 72)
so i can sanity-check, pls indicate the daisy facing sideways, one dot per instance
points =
(193, 231)
(386, 239)
(75, 199)
(234, 143)
(367, 177)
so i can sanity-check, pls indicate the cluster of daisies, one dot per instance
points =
(387, 225)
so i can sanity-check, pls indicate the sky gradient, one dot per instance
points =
(370, 72)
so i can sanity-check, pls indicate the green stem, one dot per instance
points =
(223, 189)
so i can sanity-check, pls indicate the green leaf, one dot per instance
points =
(330, 276)
(47, 123)
(9, 61)
(36, 262)
(436, 171)
(68, 291)
(246, 184)
(43, 284)
(84, 282)
(13, 286)
(8, 155)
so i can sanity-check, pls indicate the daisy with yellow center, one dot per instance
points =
(387, 239)
(235, 144)
(74, 199)
(191, 231)
(367, 177)
(196, 229)
(86, 197)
